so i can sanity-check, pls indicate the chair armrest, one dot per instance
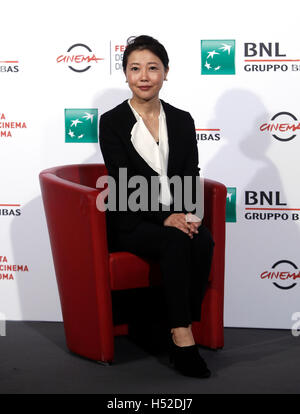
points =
(215, 194)
(77, 233)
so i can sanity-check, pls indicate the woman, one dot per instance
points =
(147, 137)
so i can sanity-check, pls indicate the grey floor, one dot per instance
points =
(35, 360)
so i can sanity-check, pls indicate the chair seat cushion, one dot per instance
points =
(128, 271)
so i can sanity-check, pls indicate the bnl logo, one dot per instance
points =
(217, 57)
(81, 125)
(231, 205)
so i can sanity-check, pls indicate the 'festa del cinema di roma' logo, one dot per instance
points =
(283, 126)
(79, 58)
(283, 274)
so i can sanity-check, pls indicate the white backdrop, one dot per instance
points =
(36, 89)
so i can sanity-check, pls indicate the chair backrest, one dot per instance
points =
(84, 174)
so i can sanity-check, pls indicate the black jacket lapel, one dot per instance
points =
(172, 133)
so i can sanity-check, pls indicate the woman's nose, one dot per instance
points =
(144, 75)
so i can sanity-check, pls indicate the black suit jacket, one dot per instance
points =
(118, 152)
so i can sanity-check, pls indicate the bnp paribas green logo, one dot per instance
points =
(81, 125)
(231, 205)
(218, 57)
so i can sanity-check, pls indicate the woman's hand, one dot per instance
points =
(179, 220)
(194, 226)
(194, 221)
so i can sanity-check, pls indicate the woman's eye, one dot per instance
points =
(134, 68)
(153, 68)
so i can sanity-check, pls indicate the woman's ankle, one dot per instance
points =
(183, 336)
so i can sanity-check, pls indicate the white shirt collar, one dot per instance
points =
(156, 156)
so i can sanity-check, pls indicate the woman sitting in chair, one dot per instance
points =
(150, 138)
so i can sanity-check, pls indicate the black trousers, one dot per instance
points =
(184, 263)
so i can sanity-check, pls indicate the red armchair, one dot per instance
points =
(86, 272)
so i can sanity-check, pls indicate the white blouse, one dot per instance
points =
(156, 156)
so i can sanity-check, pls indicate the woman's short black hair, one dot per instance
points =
(146, 42)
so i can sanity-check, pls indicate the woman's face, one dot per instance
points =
(145, 74)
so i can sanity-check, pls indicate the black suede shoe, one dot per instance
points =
(187, 360)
